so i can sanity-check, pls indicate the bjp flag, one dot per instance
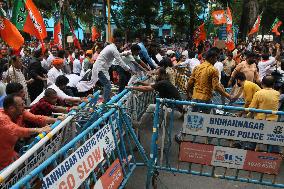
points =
(219, 17)
(199, 34)
(95, 34)
(7, 29)
(27, 18)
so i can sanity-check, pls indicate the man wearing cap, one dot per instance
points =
(88, 62)
(55, 71)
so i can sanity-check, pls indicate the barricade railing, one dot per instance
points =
(219, 146)
(43, 146)
(101, 156)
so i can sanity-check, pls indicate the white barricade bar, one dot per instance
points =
(234, 128)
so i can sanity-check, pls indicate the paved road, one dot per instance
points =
(168, 180)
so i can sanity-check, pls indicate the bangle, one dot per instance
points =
(68, 109)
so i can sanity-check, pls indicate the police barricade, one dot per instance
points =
(101, 156)
(219, 146)
(43, 146)
(218, 99)
(182, 75)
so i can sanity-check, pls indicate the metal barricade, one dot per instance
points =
(100, 157)
(218, 145)
(43, 146)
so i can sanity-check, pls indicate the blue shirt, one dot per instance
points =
(144, 55)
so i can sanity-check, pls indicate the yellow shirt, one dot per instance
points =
(249, 90)
(204, 80)
(266, 99)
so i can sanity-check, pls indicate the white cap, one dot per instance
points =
(169, 52)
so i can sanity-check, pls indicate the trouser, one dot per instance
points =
(124, 77)
(106, 85)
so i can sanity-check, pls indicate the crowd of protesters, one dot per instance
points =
(37, 82)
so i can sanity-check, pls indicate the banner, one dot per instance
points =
(220, 156)
(52, 146)
(77, 167)
(234, 128)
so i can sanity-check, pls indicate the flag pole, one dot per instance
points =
(108, 21)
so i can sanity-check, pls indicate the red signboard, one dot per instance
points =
(196, 153)
(112, 178)
(263, 162)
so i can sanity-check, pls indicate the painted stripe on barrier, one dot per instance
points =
(49, 135)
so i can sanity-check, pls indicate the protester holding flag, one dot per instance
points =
(276, 24)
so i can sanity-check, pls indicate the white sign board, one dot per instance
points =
(234, 128)
(78, 166)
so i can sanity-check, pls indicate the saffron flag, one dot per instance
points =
(199, 34)
(276, 24)
(256, 25)
(95, 34)
(27, 18)
(75, 39)
(230, 34)
(57, 35)
(229, 19)
(219, 17)
(9, 33)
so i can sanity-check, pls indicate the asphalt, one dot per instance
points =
(169, 180)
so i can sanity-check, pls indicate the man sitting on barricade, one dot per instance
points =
(49, 104)
(12, 127)
(205, 79)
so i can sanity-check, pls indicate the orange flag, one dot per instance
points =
(256, 25)
(10, 34)
(27, 18)
(230, 34)
(219, 17)
(95, 34)
(200, 34)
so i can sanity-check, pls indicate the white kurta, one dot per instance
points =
(102, 64)
(59, 92)
(52, 75)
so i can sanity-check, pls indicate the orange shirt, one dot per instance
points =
(10, 132)
(204, 80)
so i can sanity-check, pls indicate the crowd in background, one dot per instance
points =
(37, 82)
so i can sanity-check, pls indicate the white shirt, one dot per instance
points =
(73, 79)
(219, 66)
(159, 57)
(52, 75)
(264, 67)
(59, 92)
(103, 63)
(50, 59)
(191, 63)
(77, 66)
(45, 64)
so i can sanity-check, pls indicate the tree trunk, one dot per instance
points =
(249, 15)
